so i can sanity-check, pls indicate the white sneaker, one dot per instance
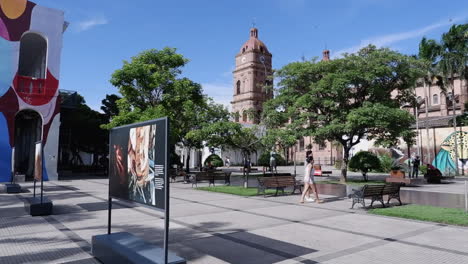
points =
(310, 199)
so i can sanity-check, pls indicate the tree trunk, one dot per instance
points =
(426, 123)
(344, 165)
(187, 164)
(457, 172)
(294, 159)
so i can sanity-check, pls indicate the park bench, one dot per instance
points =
(211, 177)
(393, 192)
(276, 182)
(281, 174)
(376, 193)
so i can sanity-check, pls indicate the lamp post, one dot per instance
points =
(451, 97)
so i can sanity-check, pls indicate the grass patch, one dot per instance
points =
(353, 182)
(236, 190)
(425, 213)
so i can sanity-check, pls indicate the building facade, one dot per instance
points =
(436, 142)
(251, 79)
(30, 51)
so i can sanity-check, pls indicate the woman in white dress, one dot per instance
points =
(309, 183)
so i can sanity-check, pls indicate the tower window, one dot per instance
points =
(243, 50)
(244, 116)
(435, 99)
(238, 87)
(261, 49)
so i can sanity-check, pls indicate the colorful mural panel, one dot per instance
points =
(445, 159)
(29, 84)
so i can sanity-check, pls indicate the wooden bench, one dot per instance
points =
(393, 192)
(376, 193)
(211, 177)
(276, 182)
(281, 174)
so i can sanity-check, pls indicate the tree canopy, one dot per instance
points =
(347, 99)
(152, 87)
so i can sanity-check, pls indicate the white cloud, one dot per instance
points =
(220, 92)
(389, 39)
(90, 23)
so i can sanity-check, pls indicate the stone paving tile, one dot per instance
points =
(218, 228)
(40, 247)
(451, 238)
(242, 203)
(191, 209)
(394, 253)
(12, 226)
(229, 252)
(322, 241)
(231, 221)
(293, 212)
(372, 225)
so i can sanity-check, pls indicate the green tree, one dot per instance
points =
(81, 128)
(151, 87)
(429, 51)
(109, 106)
(347, 99)
(231, 135)
(364, 161)
(453, 63)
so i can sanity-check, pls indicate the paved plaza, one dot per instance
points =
(219, 228)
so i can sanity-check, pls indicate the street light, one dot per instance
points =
(451, 97)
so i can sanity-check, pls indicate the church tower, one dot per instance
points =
(253, 66)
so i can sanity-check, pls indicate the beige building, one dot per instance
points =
(253, 66)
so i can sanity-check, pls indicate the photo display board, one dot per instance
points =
(138, 162)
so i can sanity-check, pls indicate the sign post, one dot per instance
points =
(138, 173)
(13, 187)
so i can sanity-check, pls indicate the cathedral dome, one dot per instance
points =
(254, 43)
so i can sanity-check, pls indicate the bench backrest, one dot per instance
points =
(279, 181)
(203, 176)
(371, 190)
(391, 188)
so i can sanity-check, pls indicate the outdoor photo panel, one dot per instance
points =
(137, 162)
(38, 162)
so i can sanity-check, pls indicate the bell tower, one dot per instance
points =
(251, 75)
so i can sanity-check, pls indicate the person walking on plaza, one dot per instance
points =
(416, 163)
(309, 183)
(273, 162)
(228, 162)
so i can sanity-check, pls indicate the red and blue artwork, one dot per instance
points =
(19, 92)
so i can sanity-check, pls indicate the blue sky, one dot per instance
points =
(103, 33)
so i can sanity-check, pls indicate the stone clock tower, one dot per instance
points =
(253, 65)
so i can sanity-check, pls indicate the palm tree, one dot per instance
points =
(429, 51)
(453, 62)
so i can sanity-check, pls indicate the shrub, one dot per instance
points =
(364, 161)
(423, 169)
(264, 160)
(386, 163)
(215, 160)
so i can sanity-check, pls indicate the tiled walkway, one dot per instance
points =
(217, 228)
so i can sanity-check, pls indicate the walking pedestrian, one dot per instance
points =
(416, 163)
(309, 183)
